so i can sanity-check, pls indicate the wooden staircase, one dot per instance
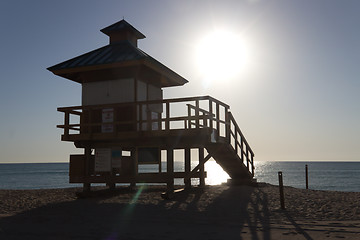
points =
(233, 152)
(225, 156)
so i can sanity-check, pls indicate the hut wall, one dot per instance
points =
(107, 92)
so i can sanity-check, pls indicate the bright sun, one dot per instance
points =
(220, 56)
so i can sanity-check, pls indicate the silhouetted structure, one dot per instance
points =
(125, 119)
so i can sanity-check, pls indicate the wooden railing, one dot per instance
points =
(203, 111)
(239, 143)
(164, 115)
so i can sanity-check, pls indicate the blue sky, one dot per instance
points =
(296, 98)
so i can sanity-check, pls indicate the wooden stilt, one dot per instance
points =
(202, 167)
(111, 184)
(87, 151)
(170, 170)
(135, 167)
(187, 182)
(160, 167)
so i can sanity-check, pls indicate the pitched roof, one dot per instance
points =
(112, 53)
(121, 58)
(116, 56)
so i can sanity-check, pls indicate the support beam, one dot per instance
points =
(135, 166)
(87, 151)
(202, 167)
(170, 169)
(187, 181)
(160, 162)
(196, 169)
(110, 183)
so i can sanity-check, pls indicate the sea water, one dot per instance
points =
(334, 176)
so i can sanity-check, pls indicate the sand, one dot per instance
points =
(214, 212)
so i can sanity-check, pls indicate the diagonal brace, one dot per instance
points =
(197, 167)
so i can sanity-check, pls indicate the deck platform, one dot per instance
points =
(206, 125)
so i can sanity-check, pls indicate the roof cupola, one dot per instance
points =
(122, 30)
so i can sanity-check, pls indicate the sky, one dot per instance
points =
(295, 95)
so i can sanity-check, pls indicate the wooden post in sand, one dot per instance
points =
(281, 188)
(306, 176)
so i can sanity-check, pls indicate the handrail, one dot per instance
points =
(232, 119)
(243, 153)
(144, 118)
(206, 115)
(200, 110)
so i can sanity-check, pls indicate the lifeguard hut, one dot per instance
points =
(124, 122)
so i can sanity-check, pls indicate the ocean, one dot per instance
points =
(333, 176)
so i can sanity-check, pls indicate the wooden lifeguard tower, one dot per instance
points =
(124, 122)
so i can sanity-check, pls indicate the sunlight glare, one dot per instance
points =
(215, 174)
(220, 56)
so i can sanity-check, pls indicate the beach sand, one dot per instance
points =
(213, 212)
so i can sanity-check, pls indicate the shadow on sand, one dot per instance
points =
(222, 213)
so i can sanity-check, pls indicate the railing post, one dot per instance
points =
(90, 120)
(227, 125)
(167, 120)
(189, 116)
(236, 141)
(211, 113)
(159, 122)
(148, 119)
(242, 148)
(114, 123)
(217, 117)
(66, 123)
(140, 117)
(204, 119)
(197, 115)
(252, 164)
(247, 157)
